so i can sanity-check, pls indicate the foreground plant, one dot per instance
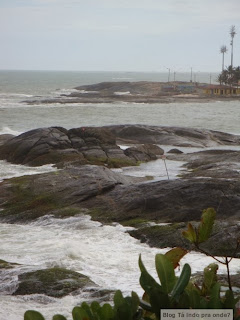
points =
(169, 291)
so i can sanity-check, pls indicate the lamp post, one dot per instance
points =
(191, 75)
(168, 74)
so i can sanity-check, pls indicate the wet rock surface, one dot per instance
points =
(56, 145)
(222, 242)
(29, 197)
(53, 282)
(222, 164)
(175, 136)
(5, 137)
(212, 179)
(98, 145)
(146, 152)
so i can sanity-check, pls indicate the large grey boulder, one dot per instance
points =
(5, 137)
(53, 282)
(57, 145)
(60, 193)
(175, 136)
(144, 152)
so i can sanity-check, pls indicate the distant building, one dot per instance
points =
(220, 90)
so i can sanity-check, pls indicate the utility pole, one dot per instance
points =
(168, 74)
(191, 75)
(232, 34)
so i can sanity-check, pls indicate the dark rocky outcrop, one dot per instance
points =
(29, 197)
(175, 151)
(110, 197)
(96, 145)
(7, 265)
(223, 240)
(223, 164)
(5, 137)
(147, 88)
(58, 145)
(138, 92)
(53, 282)
(175, 136)
(144, 152)
(169, 201)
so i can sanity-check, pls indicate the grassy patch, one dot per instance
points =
(100, 214)
(67, 212)
(137, 222)
(119, 163)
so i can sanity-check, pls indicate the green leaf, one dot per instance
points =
(159, 300)
(134, 302)
(184, 301)
(165, 272)
(122, 309)
(194, 295)
(194, 298)
(147, 282)
(215, 301)
(79, 313)
(175, 255)
(182, 281)
(118, 298)
(59, 317)
(106, 312)
(209, 278)
(206, 225)
(190, 234)
(229, 301)
(33, 315)
(95, 306)
(88, 310)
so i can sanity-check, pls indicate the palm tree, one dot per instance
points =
(232, 34)
(223, 50)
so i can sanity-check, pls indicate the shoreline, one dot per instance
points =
(137, 100)
(138, 92)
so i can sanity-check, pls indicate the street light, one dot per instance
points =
(168, 74)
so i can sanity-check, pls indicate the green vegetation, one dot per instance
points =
(135, 222)
(229, 76)
(119, 163)
(168, 291)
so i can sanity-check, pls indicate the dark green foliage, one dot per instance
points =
(33, 315)
(229, 76)
(58, 317)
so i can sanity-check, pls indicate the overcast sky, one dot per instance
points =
(121, 35)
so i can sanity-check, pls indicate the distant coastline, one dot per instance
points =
(138, 92)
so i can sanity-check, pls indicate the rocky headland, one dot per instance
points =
(86, 184)
(138, 92)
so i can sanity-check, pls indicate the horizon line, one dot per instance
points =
(109, 71)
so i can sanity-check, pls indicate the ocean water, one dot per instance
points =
(107, 254)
